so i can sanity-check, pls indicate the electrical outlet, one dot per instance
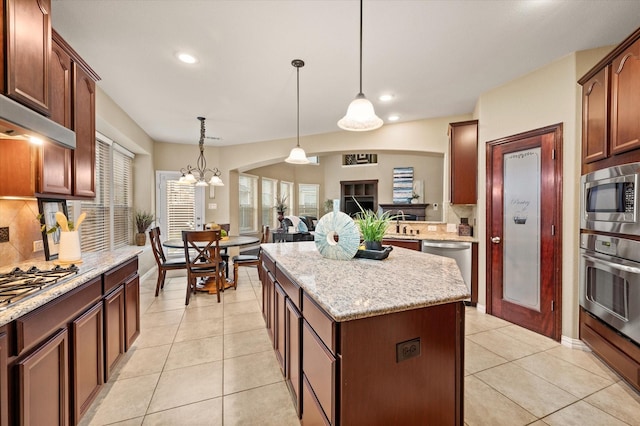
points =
(4, 234)
(38, 245)
(213, 206)
(431, 228)
(408, 349)
(435, 206)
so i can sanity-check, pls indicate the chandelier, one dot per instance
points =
(198, 174)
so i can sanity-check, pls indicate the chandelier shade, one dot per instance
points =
(360, 116)
(198, 175)
(297, 154)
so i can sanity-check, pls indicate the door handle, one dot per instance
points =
(495, 240)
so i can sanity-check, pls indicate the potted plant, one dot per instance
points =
(143, 221)
(328, 205)
(372, 226)
(414, 198)
(281, 207)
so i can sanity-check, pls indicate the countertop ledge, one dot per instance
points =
(93, 265)
(431, 236)
(361, 288)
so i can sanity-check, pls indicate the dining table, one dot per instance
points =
(225, 243)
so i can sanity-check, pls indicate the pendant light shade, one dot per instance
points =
(360, 115)
(297, 154)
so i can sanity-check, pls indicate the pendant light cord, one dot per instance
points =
(298, 103)
(360, 47)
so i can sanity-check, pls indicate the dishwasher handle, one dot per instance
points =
(447, 244)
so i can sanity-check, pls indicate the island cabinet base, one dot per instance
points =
(403, 368)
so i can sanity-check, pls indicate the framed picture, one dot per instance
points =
(48, 209)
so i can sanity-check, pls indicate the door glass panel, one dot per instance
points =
(521, 237)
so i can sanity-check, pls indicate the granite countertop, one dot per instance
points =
(360, 288)
(93, 265)
(430, 236)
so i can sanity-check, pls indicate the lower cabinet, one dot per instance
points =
(293, 367)
(43, 383)
(113, 329)
(86, 360)
(279, 308)
(55, 359)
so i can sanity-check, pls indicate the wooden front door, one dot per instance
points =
(524, 233)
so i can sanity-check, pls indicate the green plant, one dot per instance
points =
(328, 205)
(372, 225)
(414, 195)
(280, 205)
(143, 220)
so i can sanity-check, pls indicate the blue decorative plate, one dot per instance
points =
(340, 224)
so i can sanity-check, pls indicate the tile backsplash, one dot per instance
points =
(20, 216)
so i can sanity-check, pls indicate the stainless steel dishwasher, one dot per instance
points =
(458, 250)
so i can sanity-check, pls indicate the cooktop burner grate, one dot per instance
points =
(19, 284)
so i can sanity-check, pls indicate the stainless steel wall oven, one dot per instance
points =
(610, 281)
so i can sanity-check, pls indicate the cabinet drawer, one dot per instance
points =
(324, 326)
(312, 415)
(319, 368)
(269, 264)
(292, 289)
(36, 325)
(119, 274)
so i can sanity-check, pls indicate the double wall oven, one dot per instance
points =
(610, 248)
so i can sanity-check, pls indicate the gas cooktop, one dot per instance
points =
(19, 284)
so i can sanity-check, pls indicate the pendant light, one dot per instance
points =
(360, 115)
(297, 154)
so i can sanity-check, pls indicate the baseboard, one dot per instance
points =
(574, 344)
(481, 308)
(148, 273)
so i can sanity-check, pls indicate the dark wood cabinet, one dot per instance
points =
(279, 308)
(43, 383)
(113, 329)
(364, 192)
(268, 290)
(27, 51)
(625, 98)
(132, 312)
(84, 113)
(55, 176)
(293, 374)
(4, 386)
(60, 81)
(595, 117)
(463, 147)
(19, 173)
(86, 360)
(610, 114)
(409, 244)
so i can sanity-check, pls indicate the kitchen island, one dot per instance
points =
(366, 341)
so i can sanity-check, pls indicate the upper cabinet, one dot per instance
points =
(27, 50)
(463, 146)
(610, 108)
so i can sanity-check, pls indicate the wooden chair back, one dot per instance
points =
(156, 245)
(202, 254)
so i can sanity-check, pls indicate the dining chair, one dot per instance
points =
(202, 254)
(164, 264)
(249, 259)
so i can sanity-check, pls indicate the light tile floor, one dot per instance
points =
(213, 364)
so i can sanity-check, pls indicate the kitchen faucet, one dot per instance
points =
(398, 213)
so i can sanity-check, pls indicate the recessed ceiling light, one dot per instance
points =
(385, 98)
(186, 58)
(393, 118)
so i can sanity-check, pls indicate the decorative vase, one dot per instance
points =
(280, 218)
(414, 201)
(141, 239)
(373, 245)
(69, 248)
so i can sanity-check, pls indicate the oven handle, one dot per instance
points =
(626, 268)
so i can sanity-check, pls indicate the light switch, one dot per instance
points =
(213, 206)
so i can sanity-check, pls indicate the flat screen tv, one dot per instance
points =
(351, 208)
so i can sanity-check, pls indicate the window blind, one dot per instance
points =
(122, 197)
(268, 214)
(308, 199)
(248, 197)
(96, 230)
(180, 209)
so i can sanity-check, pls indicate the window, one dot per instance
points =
(286, 188)
(308, 199)
(109, 217)
(268, 214)
(248, 187)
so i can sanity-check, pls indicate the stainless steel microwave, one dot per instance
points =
(609, 200)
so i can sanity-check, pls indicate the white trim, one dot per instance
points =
(574, 343)
(104, 138)
(481, 308)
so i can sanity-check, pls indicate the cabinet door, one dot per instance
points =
(18, 168)
(28, 44)
(267, 299)
(86, 360)
(279, 325)
(60, 85)
(4, 396)
(625, 98)
(113, 330)
(55, 176)
(293, 321)
(595, 98)
(43, 390)
(463, 144)
(132, 310)
(84, 119)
